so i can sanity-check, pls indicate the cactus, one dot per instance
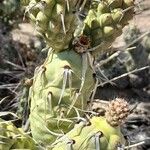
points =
(104, 22)
(95, 133)
(54, 20)
(63, 84)
(100, 133)
(58, 89)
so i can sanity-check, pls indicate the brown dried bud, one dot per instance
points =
(117, 112)
(81, 44)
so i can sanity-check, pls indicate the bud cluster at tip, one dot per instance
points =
(105, 21)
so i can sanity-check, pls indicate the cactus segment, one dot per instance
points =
(54, 20)
(13, 138)
(23, 108)
(59, 90)
(63, 84)
(97, 135)
(107, 18)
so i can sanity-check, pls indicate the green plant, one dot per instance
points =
(97, 132)
(75, 32)
(63, 84)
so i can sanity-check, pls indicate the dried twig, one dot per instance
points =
(124, 75)
(135, 145)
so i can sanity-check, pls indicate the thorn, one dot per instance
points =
(120, 147)
(104, 77)
(70, 80)
(49, 101)
(35, 29)
(65, 76)
(70, 144)
(3, 137)
(84, 69)
(77, 112)
(127, 9)
(97, 140)
(63, 22)
(132, 108)
(83, 5)
(135, 145)
(53, 133)
(73, 102)
(91, 61)
(68, 7)
(45, 49)
(124, 11)
(1, 142)
(28, 8)
(94, 90)
(77, 5)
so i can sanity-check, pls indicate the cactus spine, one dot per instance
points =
(63, 84)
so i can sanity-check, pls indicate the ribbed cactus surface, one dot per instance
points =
(58, 93)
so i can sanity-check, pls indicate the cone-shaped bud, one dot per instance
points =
(42, 21)
(128, 3)
(103, 8)
(25, 2)
(117, 15)
(117, 112)
(108, 31)
(105, 19)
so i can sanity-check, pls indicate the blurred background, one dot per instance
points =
(123, 72)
